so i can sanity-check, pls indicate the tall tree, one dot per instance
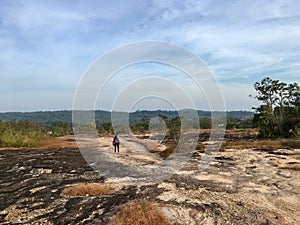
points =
(279, 113)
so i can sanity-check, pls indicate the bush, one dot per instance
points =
(58, 128)
(19, 134)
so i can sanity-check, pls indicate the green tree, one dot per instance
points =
(174, 128)
(279, 113)
(205, 123)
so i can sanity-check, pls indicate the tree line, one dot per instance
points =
(105, 116)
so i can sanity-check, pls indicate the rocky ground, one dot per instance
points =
(250, 186)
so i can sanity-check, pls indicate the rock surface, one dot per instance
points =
(239, 187)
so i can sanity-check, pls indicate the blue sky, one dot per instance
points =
(46, 46)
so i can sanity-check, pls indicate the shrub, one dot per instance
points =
(19, 134)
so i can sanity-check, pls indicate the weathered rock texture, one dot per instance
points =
(239, 187)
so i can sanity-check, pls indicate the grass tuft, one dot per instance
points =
(87, 189)
(168, 151)
(139, 213)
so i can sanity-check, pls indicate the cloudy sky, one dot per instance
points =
(47, 46)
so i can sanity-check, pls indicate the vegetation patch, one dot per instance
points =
(19, 134)
(168, 151)
(275, 143)
(279, 113)
(292, 143)
(200, 146)
(138, 213)
(253, 144)
(87, 189)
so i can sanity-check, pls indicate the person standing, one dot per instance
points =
(116, 142)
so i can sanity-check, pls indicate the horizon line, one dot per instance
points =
(139, 110)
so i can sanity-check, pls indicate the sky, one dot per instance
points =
(46, 48)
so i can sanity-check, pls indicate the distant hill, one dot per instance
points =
(41, 116)
(104, 116)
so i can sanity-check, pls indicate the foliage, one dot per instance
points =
(141, 126)
(105, 116)
(19, 134)
(205, 123)
(104, 128)
(58, 128)
(174, 128)
(279, 113)
(28, 134)
(238, 123)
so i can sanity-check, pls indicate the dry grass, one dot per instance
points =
(292, 143)
(56, 142)
(140, 213)
(64, 142)
(168, 151)
(200, 146)
(87, 189)
(261, 144)
(242, 132)
(258, 144)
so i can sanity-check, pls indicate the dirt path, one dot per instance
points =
(131, 153)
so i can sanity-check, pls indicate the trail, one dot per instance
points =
(133, 164)
(131, 152)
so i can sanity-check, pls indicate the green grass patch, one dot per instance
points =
(19, 134)
(19, 139)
